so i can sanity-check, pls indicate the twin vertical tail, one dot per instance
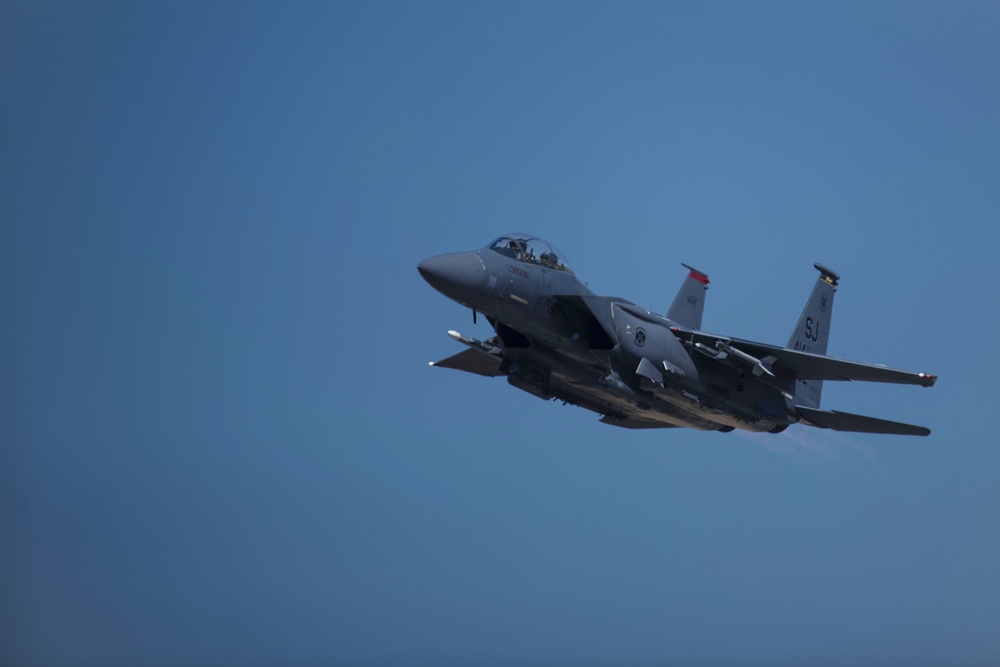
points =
(689, 304)
(812, 333)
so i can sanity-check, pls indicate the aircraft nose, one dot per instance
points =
(457, 275)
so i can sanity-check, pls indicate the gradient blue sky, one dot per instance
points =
(220, 442)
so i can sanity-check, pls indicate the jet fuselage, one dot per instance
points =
(558, 340)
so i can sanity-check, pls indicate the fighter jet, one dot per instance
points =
(638, 369)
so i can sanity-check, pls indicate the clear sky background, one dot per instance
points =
(220, 441)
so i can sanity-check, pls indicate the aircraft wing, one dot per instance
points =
(808, 366)
(473, 361)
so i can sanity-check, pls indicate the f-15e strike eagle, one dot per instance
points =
(557, 340)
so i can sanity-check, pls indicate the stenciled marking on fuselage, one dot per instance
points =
(518, 272)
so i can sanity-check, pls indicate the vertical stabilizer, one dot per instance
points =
(689, 304)
(812, 332)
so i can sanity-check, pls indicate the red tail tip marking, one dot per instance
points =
(700, 277)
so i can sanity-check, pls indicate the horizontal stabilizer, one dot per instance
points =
(845, 421)
(473, 361)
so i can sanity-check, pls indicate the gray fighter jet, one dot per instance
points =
(557, 340)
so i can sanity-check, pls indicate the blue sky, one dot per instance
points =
(220, 442)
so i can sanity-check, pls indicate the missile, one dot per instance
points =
(707, 351)
(759, 366)
(474, 343)
(459, 337)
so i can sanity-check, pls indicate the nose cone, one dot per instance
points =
(457, 275)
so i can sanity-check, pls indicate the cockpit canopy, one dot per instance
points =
(530, 249)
